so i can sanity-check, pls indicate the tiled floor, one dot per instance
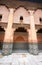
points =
(21, 59)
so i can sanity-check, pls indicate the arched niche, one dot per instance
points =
(22, 32)
(20, 39)
(4, 11)
(21, 11)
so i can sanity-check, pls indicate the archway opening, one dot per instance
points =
(20, 39)
(2, 32)
(20, 35)
(39, 37)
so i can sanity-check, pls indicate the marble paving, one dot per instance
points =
(21, 59)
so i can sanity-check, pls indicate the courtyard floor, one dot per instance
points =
(21, 59)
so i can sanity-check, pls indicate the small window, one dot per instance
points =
(40, 20)
(0, 17)
(21, 17)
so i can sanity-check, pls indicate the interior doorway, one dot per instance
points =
(2, 32)
(20, 39)
(39, 37)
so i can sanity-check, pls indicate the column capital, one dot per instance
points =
(31, 12)
(11, 9)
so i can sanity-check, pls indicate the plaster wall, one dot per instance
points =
(21, 11)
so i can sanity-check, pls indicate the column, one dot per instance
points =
(8, 39)
(32, 32)
(30, 45)
(29, 39)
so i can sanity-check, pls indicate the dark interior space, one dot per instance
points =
(39, 31)
(2, 29)
(21, 45)
(21, 29)
(1, 37)
(39, 36)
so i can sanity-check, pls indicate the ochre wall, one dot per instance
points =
(39, 37)
(5, 13)
(1, 37)
(21, 11)
(20, 37)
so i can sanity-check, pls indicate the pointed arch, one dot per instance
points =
(22, 33)
(19, 39)
(21, 11)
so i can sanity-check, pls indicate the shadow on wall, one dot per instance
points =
(2, 32)
(39, 37)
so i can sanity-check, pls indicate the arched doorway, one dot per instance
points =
(20, 39)
(2, 32)
(39, 37)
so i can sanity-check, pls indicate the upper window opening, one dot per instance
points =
(21, 17)
(0, 17)
(40, 19)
